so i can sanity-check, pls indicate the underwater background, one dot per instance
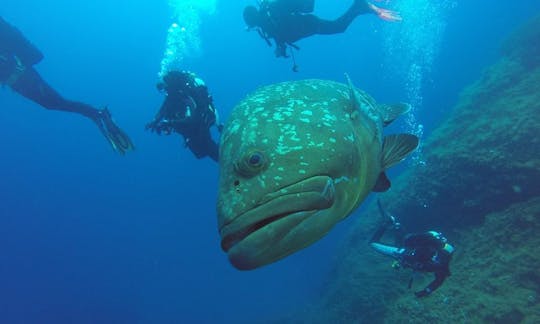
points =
(88, 236)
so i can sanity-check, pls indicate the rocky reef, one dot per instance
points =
(481, 187)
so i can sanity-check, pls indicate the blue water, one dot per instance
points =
(87, 236)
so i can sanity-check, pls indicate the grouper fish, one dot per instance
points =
(296, 158)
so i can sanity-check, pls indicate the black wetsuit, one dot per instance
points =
(188, 109)
(426, 252)
(422, 252)
(17, 57)
(286, 23)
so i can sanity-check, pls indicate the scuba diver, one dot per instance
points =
(288, 21)
(422, 252)
(17, 58)
(188, 109)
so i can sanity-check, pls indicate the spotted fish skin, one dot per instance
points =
(295, 159)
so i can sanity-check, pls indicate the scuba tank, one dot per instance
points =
(13, 43)
(289, 6)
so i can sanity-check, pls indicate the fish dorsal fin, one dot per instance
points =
(390, 112)
(396, 148)
(355, 106)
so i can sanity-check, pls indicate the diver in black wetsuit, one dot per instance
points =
(17, 58)
(188, 109)
(288, 21)
(422, 252)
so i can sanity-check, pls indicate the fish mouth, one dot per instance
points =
(302, 198)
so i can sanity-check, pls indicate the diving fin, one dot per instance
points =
(118, 139)
(385, 14)
(387, 250)
(396, 148)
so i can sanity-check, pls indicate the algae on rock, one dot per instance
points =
(480, 186)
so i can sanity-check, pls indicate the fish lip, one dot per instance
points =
(310, 194)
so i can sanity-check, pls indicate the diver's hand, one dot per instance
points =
(160, 126)
(152, 126)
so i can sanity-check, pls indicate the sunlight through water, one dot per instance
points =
(416, 41)
(183, 36)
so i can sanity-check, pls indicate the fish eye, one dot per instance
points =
(251, 163)
(255, 159)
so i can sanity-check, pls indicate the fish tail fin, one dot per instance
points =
(396, 148)
(391, 112)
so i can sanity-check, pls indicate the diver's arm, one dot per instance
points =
(213, 119)
(159, 115)
(440, 276)
(192, 117)
(165, 120)
(157, 125)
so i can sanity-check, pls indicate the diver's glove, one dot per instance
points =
(168, 126)
(160, 126)
(119, 140)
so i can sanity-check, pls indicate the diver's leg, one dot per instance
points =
(7, 67)
(390, 219)
(196, 147)
(202, 145)
(340, 25)
(30, 85)
(359, 7)
(391, 222)
(304, 25)
(376, 237)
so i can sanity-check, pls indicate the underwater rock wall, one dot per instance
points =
(481, 187)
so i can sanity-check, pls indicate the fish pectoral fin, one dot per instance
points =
(391, 112)
(382, 184)
(396, 148)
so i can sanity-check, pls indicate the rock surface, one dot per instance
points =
(481, 187)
